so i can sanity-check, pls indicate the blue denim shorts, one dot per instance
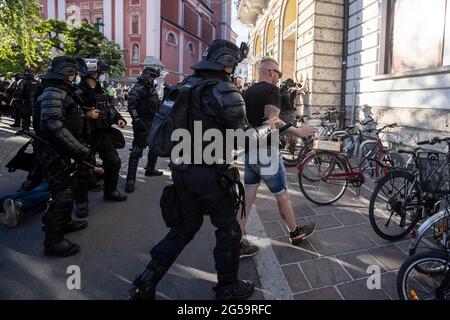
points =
(275, 180)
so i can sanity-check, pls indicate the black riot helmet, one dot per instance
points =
(220, 54)
(92, 66)
(62, 67)
(151, 71)
(28, 74)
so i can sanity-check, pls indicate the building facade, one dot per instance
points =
(171, 32)
(385, 59)
(305, 37)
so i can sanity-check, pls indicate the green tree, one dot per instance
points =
(29, 42)
(18, 45)
(87, 42)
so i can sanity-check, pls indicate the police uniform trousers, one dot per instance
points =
(200, 194)
(56, 171)
(110, 157)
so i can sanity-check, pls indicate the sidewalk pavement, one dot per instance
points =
(333, 263)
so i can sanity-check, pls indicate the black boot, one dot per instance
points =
(82, 210)
(151, 164)
(73, 225)
(144, 286)
(131, 176)
(114, 196)
(240, 290)
(150, 173)
(54, 243)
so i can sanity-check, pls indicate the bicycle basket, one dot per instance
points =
(434, 175)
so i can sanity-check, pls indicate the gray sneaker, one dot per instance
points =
(301, 233)
(11, 212)
(247, 250)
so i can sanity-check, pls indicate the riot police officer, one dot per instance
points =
(143, 103)
(58, 118)
(23, 97)
(96, 99)
(198, 186)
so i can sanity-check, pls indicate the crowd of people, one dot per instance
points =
(75, 119)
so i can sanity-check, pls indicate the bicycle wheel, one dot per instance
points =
(394, 208)
(290, 149)
(413, 284)
(322, 186)
(305, 151)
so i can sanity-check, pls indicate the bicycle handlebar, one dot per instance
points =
(433, 141)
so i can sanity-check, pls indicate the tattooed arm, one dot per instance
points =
(271, 111)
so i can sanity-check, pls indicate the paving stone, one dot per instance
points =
(391, 257)
(274, 229)
(303, 211)
(357, 290)
(349, 218)
(348, 203)
(389, 284)
(287, 253)
(328, 293)
(268, 215)
(356, 263)
(325, 221)
(266, 203)
(295, 278)
(325, 209)
(324, 272)
(341, 240)
(367, 230)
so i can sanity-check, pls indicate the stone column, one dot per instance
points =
(118, 22)
(51, 8)
(62, 10)
(153, 32)
(107, 18)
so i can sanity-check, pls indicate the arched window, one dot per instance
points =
(270, 32)
(135, 54)
(258, 46)
(190, 48)
(171, 38)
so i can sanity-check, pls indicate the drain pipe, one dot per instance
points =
(344, 66)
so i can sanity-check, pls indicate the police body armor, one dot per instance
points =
(143, 101)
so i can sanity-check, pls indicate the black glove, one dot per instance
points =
(139, 125)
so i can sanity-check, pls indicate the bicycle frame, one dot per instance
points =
(359, 173)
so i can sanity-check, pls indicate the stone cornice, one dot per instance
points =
(249, 10)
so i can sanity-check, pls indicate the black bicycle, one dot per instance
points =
(404, 196)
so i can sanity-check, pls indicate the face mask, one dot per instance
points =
(102, 78)
(77, 80)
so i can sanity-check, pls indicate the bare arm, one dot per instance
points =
(271, 111)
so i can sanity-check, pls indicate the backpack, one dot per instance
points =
(174, 113)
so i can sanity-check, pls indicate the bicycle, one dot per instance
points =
(325, 173)
(415, 284)
(405, 196)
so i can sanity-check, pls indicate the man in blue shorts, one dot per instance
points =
(262, 102)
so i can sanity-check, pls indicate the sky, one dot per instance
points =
(238, 27)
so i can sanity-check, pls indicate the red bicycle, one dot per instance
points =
(326, 172)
